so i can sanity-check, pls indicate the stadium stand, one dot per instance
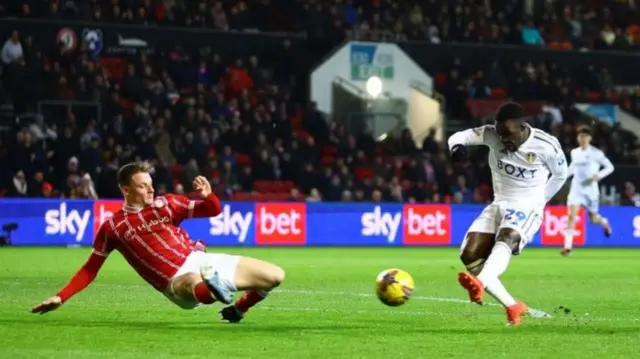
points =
(219, 88)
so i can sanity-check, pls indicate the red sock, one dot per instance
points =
(249, 299)
(202, 293)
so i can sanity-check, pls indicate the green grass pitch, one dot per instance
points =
(327, 309)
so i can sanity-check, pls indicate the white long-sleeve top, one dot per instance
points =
(585, 163)
(535, 172)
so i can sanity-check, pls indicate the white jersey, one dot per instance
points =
(585, 164)
(534, 173)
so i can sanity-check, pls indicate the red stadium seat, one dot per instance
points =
(327, 160)
(363, 173)
(288, 185)
(329, 150)
(176, 171)
(261, 186)
(593, 96)
(302, 135)
(280, 187)
(498, 93)
(243, 160)
(275, 197)
(296, 120)
(440, 79)
(115, 66)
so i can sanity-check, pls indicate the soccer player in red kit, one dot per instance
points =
(145, 231)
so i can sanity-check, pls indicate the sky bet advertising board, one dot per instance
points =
(74, 223)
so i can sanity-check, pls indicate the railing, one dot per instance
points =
(377, 124)
(358, 91)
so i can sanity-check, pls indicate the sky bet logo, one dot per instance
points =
(420, 224)
(378, 223)
(64, 221)
(281, 224)
(554, 227)
(103, 210)
(231, 223)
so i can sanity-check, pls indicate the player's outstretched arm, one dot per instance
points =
(471, 137)
(185, 208)
(80, 281)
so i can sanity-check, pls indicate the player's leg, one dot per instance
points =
(508, 241)
(475, 253)
(187, 288)
(189, 291)
(519, 224)
(228, 274)
(475, 250)
(573, 207)
(257, 278)
(595, 217)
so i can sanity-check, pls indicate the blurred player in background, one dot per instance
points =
(146, 232)
(588, 166)
(528, 168)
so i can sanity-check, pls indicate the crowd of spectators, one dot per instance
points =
(565, 24)
(235, 120)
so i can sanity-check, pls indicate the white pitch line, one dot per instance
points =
(535, 313)
(359, 311)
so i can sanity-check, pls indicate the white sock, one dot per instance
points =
(568, 238)
(496, 264)
(498, 291)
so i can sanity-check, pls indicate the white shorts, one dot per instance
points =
(520, 216)
(224, 264)
(588, 200)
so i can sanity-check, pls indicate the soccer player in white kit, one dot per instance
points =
(528, 168)
(588, 166)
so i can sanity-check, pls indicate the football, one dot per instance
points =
(394, 287)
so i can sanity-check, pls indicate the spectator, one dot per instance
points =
(531, 35)
(630, 197)
(236, 120)
(11, 52)
(20, 187)
(314, 196)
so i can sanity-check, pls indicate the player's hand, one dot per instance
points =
(459, 153)
(48, 305)
(595, 178)
(202, 186)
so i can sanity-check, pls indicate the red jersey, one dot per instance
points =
(150, 239)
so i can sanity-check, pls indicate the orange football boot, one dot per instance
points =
(516, 312)
(473, 285)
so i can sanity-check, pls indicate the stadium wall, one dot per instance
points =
(74, 222)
